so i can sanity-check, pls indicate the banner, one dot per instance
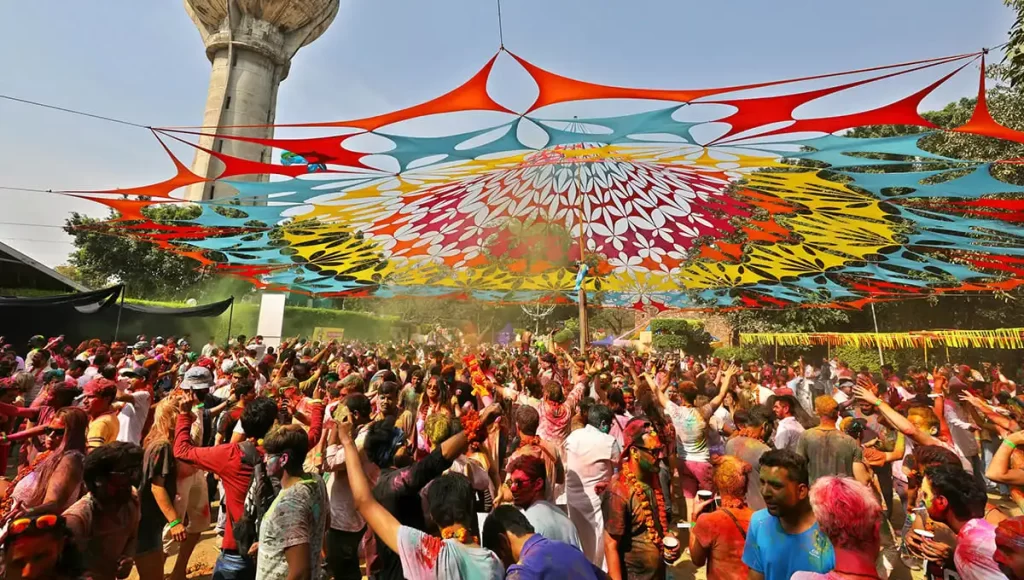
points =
(1008, 338)
(325, 334)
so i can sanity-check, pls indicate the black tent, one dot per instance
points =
(97, 314)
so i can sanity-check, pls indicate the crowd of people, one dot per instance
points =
(415, 461)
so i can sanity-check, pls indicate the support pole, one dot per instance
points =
(881, 359)
(231, 316)
(925, 342)
(582, 298)
(120, 308)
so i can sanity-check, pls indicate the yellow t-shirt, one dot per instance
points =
(102, 430)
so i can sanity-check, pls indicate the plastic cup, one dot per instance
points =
(670, 544)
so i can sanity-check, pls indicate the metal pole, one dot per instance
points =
(881, 359)
(231, 316)
(120, 307)
(584, 331)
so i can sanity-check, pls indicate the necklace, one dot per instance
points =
(645, 507)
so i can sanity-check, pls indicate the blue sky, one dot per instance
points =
(144, 62)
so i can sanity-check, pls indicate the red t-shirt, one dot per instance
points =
(724, 540)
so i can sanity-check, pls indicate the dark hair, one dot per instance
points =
(926, 456)
(533, 386)
(389, 388)
(244, 387)
(505, 519)
(108, 372)
(759, 415)
(450, 501)
(116, 456)
(794, 464)
(614, 396)
(527, 419)
(100, 359)
(966, 498)
(383, 364)
(359, 403)
(553, 391)
(379, 443)
(300, 368)
(290, 439)
(532, 465)
(741, 418)
(689, 392)
(78, 365)
(600, 415)
(258, 417)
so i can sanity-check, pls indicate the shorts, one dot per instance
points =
(694, 476)
(192, 503)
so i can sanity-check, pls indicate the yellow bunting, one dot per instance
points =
(1005, 338)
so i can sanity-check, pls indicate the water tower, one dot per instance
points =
(250, 44)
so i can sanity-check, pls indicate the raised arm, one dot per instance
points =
(901, 423)
(724, 387)
(377, 517)
(999, 469)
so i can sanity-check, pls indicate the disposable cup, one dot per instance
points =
(670, 544)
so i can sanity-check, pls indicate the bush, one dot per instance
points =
(745, 353)
(298, 320)
(680, 334)
(858, 358)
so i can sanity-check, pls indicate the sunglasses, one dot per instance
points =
(54, 431)
(44, 522)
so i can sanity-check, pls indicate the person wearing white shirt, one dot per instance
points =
(789, 429)
(591, 455)
(137, 399)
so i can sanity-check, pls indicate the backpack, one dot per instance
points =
(261, 493)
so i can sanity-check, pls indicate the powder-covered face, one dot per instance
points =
(33, 557)
(524, 490)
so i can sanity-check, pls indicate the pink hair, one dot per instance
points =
(847, 513)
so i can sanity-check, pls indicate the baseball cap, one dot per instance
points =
(141, 345)
(140, 372)
(197, 378)
(99, 386)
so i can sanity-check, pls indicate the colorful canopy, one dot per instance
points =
(733, 211)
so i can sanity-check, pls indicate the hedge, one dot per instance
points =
(680, 334)
(743, 354)
(298, 320)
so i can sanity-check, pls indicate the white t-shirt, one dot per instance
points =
(132, 417)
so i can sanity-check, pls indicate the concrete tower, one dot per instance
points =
(250, 44)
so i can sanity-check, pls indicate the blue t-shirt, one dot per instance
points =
(544, 559)
(777, 555)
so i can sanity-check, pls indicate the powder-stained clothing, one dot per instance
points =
(297, 516)
(691, 431)
(975, 547)
(777, 555)
(426, 557)
(724, 538)
(542, 559)
(103, 536)
(639, 557)
(552, 523)
(750, 450)
(788, 433)
(828, 452)
(398, 490)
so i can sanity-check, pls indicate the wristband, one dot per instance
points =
(878, 402)
(174, 523)
(1009, 444)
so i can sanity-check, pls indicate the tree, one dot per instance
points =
(146, 270)
(1014, 56)
(76, 275)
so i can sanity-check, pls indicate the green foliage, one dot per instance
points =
(1014, 55)
(297, 321)
(743, 353)
(858, 358)
(793, 320)
(565, 336)
(680, 334)
(102, 258)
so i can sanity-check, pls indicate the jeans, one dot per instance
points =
(343, 554)
(988, 450)
(231, 566)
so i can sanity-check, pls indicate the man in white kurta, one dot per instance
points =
(590, 458)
